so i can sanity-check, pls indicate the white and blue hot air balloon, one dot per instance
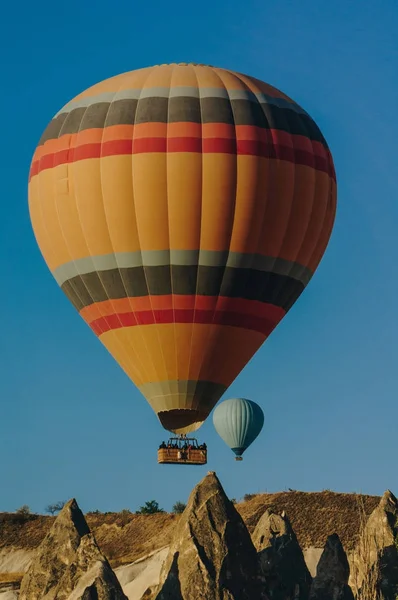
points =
(238, 422)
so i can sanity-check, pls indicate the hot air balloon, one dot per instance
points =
(182, 209)
(238, 422)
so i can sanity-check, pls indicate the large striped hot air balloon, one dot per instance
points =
(182, 209)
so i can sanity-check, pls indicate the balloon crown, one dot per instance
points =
(185, 64)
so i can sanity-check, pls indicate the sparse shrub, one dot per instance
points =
(150, 508)
(125, 515)
(233, 500)
(179, 507)
(248, 497)
(24, 510)
(23, 514)
(56, 507)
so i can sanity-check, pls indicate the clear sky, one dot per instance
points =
(71, 423)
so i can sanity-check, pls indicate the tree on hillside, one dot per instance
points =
(248, 497)
(179, 507)
(150, 508)
(23, 514)
(54, 508)
(125, 516)
(24, 511)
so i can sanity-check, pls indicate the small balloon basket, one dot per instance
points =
(182, 450)
(239, 458)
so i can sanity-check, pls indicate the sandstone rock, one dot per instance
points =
(69, 565)
(8, 595)
(332, 574)
(281, 558)
(375, 560)
(149, 593)
(211, 556)
(136, 578)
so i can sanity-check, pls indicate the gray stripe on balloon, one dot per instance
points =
(182, 387)
(181, 91)
(205, 258)
(185, 395)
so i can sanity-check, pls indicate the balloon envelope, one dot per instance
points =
(182, 209)
(238, 422)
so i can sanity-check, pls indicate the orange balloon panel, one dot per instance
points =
(182, 209)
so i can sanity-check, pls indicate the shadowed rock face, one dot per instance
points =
(69, 565)
(211, 555)
(333, 571)
(281, 558)
(375, 559)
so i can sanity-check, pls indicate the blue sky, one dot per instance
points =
(71, 423)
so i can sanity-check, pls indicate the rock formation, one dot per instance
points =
(69, 565)
(211, 555)
(8, 595)
(375, 560)
(149, 593)
(332, 574)
(281, 558)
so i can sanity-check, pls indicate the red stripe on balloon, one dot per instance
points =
(119, 320)
(319, 158)
(182, 302)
